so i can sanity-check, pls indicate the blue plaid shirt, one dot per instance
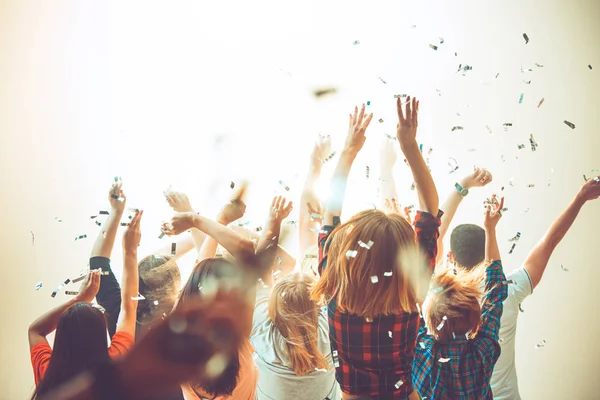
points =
(468, 372)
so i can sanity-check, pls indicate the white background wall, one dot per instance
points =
(143, 89)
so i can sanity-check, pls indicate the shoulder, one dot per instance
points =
(121, 343)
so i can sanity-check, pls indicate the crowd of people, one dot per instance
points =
(369, 308)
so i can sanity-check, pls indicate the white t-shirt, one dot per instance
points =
(276, 380)
(504, 378)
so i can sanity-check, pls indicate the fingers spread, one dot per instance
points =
(408, 109)
(399, 109)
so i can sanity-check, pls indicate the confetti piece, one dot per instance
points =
(489, 129)
(381, 120)
(400, 96)
(336, 360)
(366, 245)
(515, 238)
(531, 185)
(521, 308)
(521, 146)
(118, 198)
(390, 136)
(563, 268)
(368, 172)
(419, 310)
(532, 142)
(173, 249)
(369, 320)
(540, 344)
(356, 42)
(527, 83)
(317, 230)
(231, 185)
(382, 81)
(316, 216)
(59, 288)
(511, 181)
(390, 334)
(569, 124)
(32, 238)
(398, 384)
(263, 284)
(319, 93)
(422, 345)
(433, 47)
(368, 103)
(413, 186)
(507, 125)
(453, 164)
(124, 224)
(437, 289)
(321, 369)
(443, 360)
(155, 302)
(71, 292)
(460, 128)
(441, 325)
(589, 66)
(508, 282)
(287, 188)
(497, 75)
(327, 159)
(38, 285)
(258, 228)
(162, 235)
(521, 98)
(58, 219)
(279, 260)
(526, 38)
(512, 248)
(103, 212)
(351, 253)
(539, 65)
(374, 279)
(80, 237)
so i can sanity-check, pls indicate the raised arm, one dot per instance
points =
(309, 201)
(269, 240)
(388, 195)
(537, 260)
(232, 211)
(406, 133)
(355, 140)
(106, 238)
(478, 178)
(179, 202)
(130, 279)
(47, 323)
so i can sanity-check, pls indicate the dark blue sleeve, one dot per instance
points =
(109, 295)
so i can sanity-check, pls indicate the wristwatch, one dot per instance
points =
(463, 191)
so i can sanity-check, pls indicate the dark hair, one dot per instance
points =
(159, 280)
(80, 344)
(467, 243)
(212, 269)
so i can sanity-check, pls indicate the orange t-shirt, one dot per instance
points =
(41, 353)
(247, 378)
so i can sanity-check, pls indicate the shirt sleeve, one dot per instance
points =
(496, 288)
(323, 237)
(427, 228)
(121, 343)
(40, 358)
(261, 310)
(109, 295)
(521, 286)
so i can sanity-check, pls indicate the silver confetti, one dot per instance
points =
(515, 238)
(454, 128)
(80, 237)
(59, 288)
(173, 249)
(521, 98)
(287, 188)
(336, 360)
(526, 38)
(351, 253)
(563, 268)
(58, 219)
(398, 384)
(540, 344)
(569, 124)
(443, 360)
(374, 279)
(71, 292)
(366, 245)
(540, 102)
(38, 286)
(441, 325)
(139, 297)
(387, 273)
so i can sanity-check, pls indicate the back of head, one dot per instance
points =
(373, 281)
(467, 243)
(80, 343)
(455, 296)
(205, 276)
(159, 281)
(296, 316)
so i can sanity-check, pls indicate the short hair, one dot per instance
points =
(453, 300)
(349, 277)
(159, 283)
(467, 243)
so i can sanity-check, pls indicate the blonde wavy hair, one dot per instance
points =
(456, 295)
(383, 280)
(296, 316)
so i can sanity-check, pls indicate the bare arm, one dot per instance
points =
(130, 280)
(47, 323)
(268, 243)
(537, 260)
(387, 183)
(180, 203)
(355, 140)
(106, 238)
(406, 134)
(493, 215)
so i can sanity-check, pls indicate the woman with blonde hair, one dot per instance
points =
(375, 269)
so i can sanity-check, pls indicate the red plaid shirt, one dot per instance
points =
(375, 358)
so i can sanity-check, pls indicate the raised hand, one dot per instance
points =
(236, 208)
(408, 121)
(178, 201)
(590, 190)
(180, 222)
(478, 178)
(115, 195)
(357, 127)
(280, 209)
(133, 234)
(493, 213)
(89, 287)
(322, 150)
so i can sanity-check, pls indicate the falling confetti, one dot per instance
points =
(327, 159)
(368, 172)
(532, 142)
(173, 249)
(382, 81)
(400, 96)
(422, 345)
(526, 82)
(455, 128)
(366, 245)
(287, 188)
(351, 253)
(374, 279)
(441, 325)
(531, 185)
(526, 38)
(71, 292)
(232, 185)
(434, 47)
(589, 66)
(118, 198)
(398, 384)
(356, 42)
(59, 288)
(155, 302)
(540, 344)
(320, 93)
(563, 268)
(539, 65)
(507, 125)
(443, 360)
(541, 102)
(515, 238)
(390, 334)
(139, 297)
(521, 146)
(58, 219)
(32, 238)
(80, 237)
(453, 164)
(521, 308)
(489, 129)
(38, 286)
(569, 124)
(512, 248)
(521, 98)
(316, 216)
(336, 360)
